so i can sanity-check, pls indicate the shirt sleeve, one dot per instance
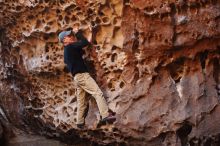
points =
(82, 41)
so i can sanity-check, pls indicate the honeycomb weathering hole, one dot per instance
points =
(114, 57)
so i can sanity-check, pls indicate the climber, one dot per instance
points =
(73, 42)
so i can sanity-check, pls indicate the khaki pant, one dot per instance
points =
(85, 83)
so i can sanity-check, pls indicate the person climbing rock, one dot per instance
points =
(73, 42)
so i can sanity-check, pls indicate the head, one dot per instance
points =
(67, 37)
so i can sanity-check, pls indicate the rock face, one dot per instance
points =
(157, 63)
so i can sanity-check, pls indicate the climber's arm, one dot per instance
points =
(82, 41)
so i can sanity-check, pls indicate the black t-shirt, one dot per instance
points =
(73, 55)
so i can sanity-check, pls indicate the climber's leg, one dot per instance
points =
(86, 82)
(82, 105)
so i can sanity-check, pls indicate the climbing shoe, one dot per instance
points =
(111, 118)
(80, 126)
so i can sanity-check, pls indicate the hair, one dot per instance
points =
(70, 29)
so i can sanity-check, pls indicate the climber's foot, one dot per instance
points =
(108, 120)
(80, 126)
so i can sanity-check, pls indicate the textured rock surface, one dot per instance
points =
(157, 63)
(23, 139)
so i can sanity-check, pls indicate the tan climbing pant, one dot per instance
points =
(85, 83)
